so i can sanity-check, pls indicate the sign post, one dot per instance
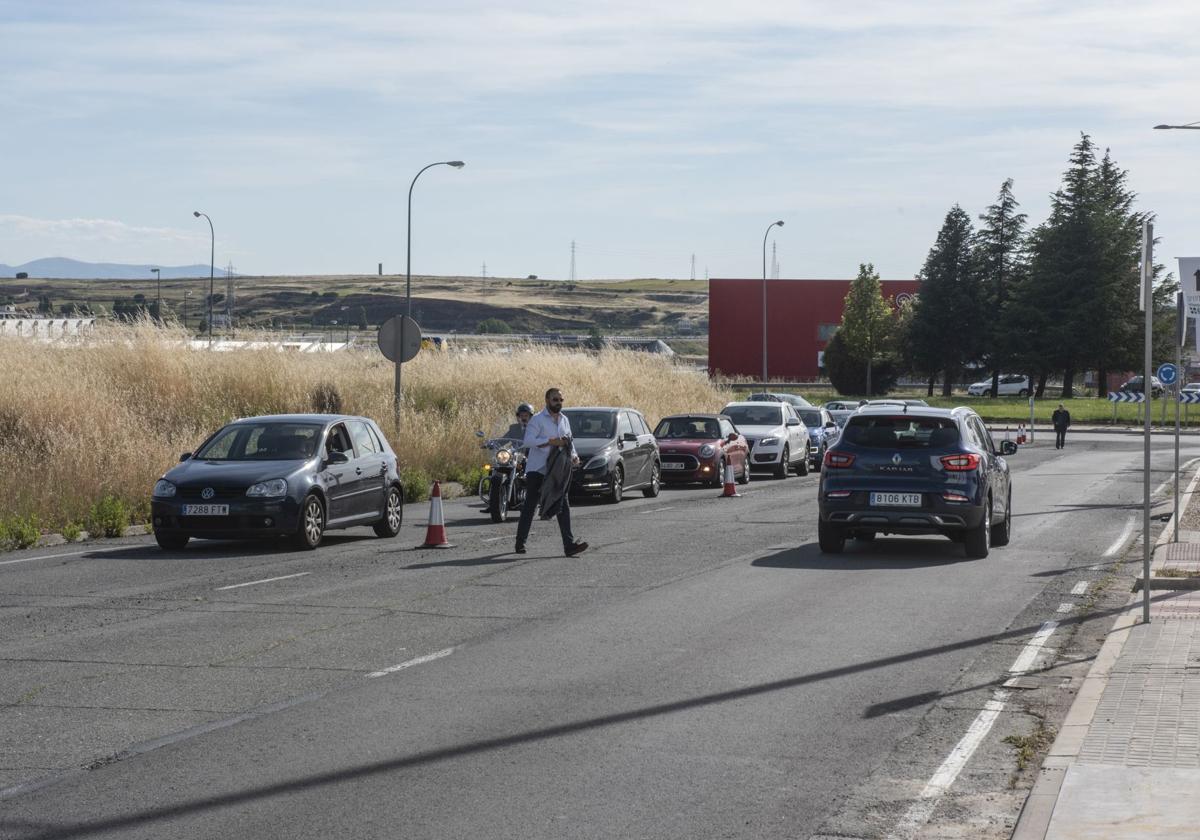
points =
(1147, 305)
(399, 341)
(1180, 332)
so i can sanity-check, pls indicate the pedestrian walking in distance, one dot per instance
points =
(1062, 421)
(548, 469)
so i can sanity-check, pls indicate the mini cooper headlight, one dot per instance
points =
(163, 489)
(707, 450)
(274, 487)
(504, 456)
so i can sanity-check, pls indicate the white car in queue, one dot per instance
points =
(777, 437)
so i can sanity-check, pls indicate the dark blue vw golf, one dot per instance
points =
(295, 475)
(901, 469)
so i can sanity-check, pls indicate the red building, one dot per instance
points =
(802, 316)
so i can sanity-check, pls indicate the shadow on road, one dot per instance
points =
(507, 557)
(880, 553)
(202, 549)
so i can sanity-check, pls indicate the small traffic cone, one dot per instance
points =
(730, 491)
(435, 532)
(1021, 435)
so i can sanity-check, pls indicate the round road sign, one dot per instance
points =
(1167, 374)
(399, 338)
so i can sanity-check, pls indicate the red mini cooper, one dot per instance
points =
(696, 447)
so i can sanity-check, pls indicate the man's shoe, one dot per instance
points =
(575, 548)
(519, 548)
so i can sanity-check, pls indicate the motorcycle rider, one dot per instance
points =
(517, 430)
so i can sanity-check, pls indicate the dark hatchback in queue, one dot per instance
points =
(617, 452)
(697, 447)
(916, 470)
(294, 475)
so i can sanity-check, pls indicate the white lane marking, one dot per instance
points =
(65, 554)
(1080, 588)
(943, 778)
(264, 580)
(1120, 541)
(1065, 608)
(657, 509)
(495, 539)
(420, 660)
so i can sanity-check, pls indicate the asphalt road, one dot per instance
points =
(702, 671)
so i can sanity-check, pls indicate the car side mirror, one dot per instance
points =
(629, 437)
(1007, 447)
(185, 456)
(733, 436)
(332, 458)
(831, 425)
(478, 433)
(793, 422)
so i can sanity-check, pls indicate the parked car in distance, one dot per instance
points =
(776, 435)
(296, 475)
(794, 400)
(1191, 387)
(1010, 384)
(697, 447)
(1135, 384)
(923, 471)
(843, 405)
(617, 452)
(821, 430)
(840, 416)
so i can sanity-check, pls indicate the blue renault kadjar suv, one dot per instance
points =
(916, 470)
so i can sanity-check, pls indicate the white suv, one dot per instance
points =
(1011, 385)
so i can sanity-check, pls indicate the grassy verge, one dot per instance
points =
(86, 430)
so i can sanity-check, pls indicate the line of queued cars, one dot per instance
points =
(887, 466)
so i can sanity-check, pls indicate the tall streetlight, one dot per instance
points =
(158, 283)
(764, 296)
(186, 294)
(457, 164)
(212, 267)
(1189, 126)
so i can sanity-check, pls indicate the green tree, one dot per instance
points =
(360, 318)
(867, 321)
(998, 256)
(947, 326)
(494, 326)
(848, 373)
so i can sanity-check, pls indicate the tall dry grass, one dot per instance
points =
(78, 422)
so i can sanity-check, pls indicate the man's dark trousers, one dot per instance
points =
(533, 493)
(1060, 438)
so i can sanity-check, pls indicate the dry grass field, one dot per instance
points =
(81, 422)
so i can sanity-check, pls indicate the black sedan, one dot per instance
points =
(617, 452)
(916, 470)
(295, 475)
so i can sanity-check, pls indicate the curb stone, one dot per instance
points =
(51, 540)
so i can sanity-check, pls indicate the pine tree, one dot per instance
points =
(947, 328)
(998, 251)
(866, 326)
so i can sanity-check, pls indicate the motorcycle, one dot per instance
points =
(502, 487)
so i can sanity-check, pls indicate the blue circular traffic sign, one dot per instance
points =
(1167, 374)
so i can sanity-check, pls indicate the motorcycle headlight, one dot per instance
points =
(504, 456)
(707, 450)
(163, 489)
(274, 487)
(768, 441)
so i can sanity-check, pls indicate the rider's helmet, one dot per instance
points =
(524, 407)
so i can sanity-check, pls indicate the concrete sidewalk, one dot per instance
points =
(1126, 763)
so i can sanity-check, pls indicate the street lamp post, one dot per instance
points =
(457, 164)
(186, 294)
(764, 298)
(212, 265)
(158, 284)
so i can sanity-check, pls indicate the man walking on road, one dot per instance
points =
(1061, 420)
(549, 429)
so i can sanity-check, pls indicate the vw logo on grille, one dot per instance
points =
(895, 460)
(208, 492)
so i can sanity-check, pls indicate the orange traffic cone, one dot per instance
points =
(730, 491)
(1021, 434)
(435, 532)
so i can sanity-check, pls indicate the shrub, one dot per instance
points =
(109, 516)
(19, 532)
(71, 531)
(326, 399)
(417, 483)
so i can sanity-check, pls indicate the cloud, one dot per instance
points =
(24, 238)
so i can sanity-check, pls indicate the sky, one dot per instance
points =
(644, 132)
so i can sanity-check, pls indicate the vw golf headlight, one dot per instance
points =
(163, 489)
(274, 487)
(707, 450)
(768, 441)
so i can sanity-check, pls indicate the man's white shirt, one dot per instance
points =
(541, 428)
